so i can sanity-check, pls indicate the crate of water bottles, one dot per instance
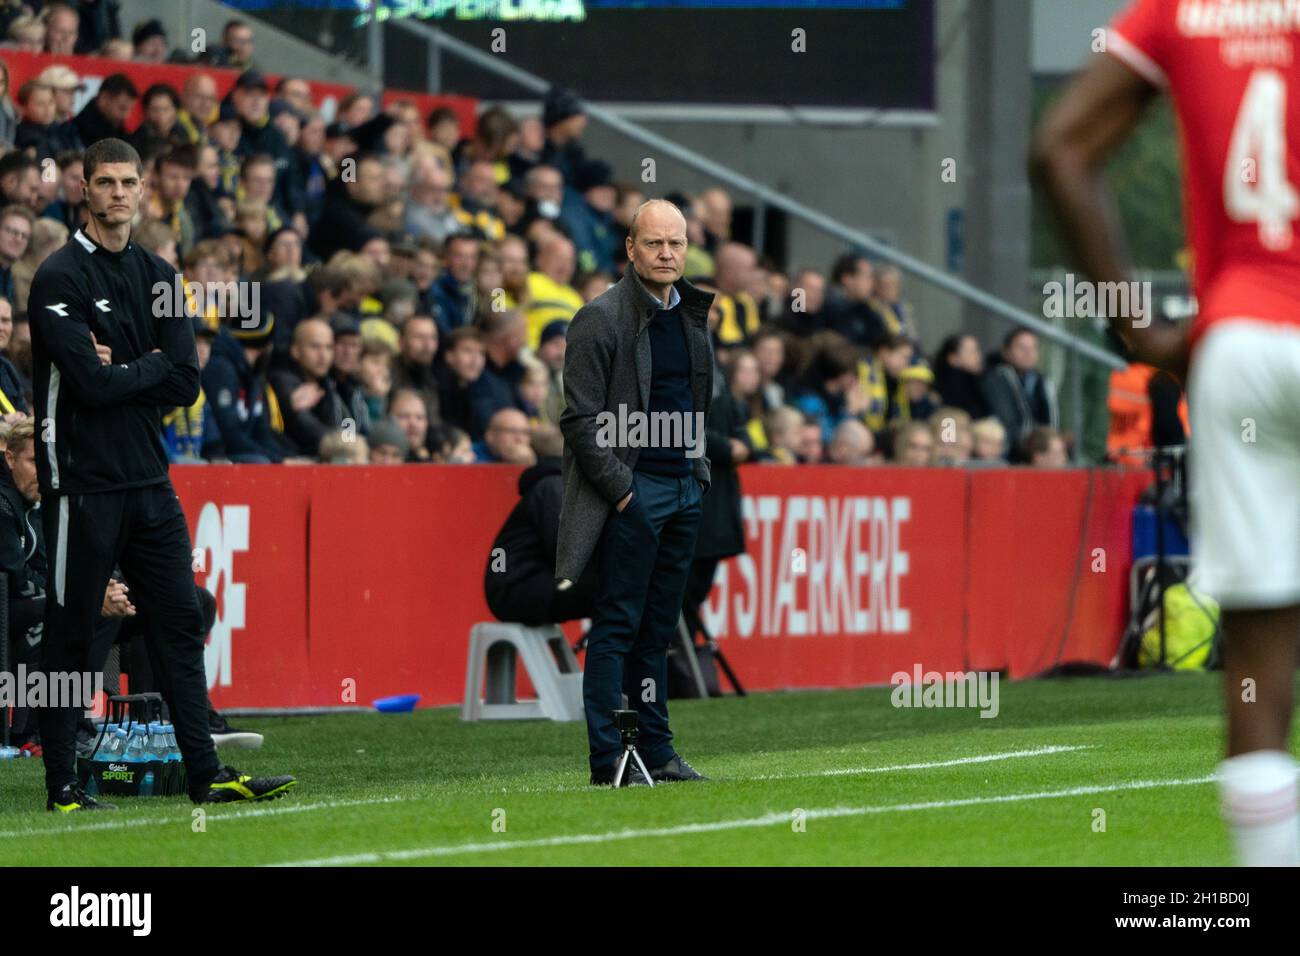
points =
(135, 751)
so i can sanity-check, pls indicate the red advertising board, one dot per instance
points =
(849, 576)
(93, 69)
(1049, 560)
(337, 586)
(249, 528)
(397, 560)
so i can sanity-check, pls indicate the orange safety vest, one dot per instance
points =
(1130, 415)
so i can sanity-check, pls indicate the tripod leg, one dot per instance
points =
(726, 669)
(692, 662)
(622, 766)
(644, 772)
(721, 658)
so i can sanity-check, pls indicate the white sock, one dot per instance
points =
(1258, 795)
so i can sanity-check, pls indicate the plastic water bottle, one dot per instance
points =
(157, 742)
(146, 785)
(111, 747)
(136, 745)
(173, 749)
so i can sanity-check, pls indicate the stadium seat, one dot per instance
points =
(494, 650)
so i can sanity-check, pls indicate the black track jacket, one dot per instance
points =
(100, 426)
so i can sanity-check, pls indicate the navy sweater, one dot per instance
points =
(670, 391)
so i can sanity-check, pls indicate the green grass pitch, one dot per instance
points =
(835, 777)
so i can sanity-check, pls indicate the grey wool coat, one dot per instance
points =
(607, 364)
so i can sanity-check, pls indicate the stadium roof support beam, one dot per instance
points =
(438, 39)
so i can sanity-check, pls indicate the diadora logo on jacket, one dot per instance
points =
(221, 533)
(61, 308)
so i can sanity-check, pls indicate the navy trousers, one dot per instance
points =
(644, 556)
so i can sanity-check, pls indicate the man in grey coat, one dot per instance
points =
(638, 381)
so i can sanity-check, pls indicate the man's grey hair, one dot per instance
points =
(631, 229)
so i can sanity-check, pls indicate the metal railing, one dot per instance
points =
(437, 41)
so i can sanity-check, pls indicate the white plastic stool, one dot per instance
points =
(495, 649)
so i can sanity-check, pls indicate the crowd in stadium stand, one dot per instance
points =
(379, 288)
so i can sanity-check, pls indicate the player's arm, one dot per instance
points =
(57, 310)
(176, 340)
(181, 386)
(1095, 115)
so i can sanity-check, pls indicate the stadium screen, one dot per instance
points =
(874, 54)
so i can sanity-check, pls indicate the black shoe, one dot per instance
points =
(231, 786)
(632, 776)
(674, 770)
(72, 799)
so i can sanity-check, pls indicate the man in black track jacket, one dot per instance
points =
(109, 352)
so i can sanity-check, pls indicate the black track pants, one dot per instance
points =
(143, 531)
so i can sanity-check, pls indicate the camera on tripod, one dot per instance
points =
(626, 722)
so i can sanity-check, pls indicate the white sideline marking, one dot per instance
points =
(850, 771)
(184, 817)
(928, 765)
(275, 810)
(769, 819)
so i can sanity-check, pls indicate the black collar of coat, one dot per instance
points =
(694, 305)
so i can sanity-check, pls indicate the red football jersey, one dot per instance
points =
(1232, 70)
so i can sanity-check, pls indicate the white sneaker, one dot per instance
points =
(240, 739)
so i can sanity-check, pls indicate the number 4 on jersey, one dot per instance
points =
(1255, 188)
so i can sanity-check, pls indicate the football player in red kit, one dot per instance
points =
(1232, 73)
